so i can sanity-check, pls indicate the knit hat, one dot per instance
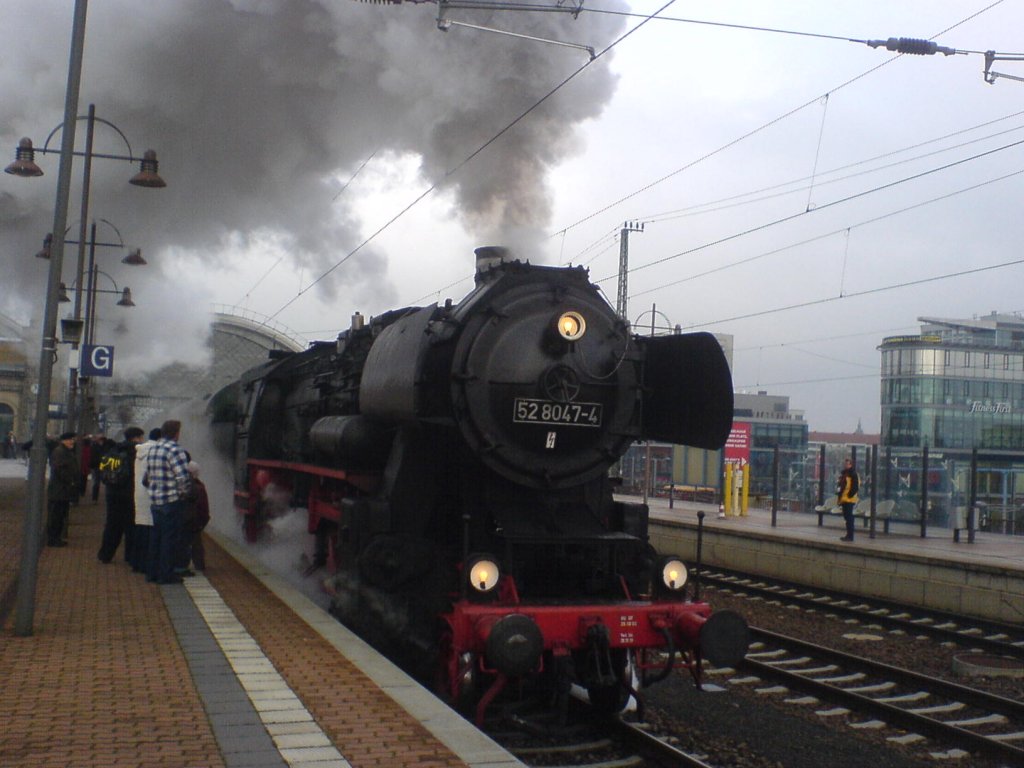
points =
(68, 436)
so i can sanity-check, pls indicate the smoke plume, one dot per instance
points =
(260, 110)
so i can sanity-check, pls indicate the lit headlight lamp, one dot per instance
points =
(671, 574)
(571, 326)
(483, 573)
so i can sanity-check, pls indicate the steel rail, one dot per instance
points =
(661, 750)
(1014, 648)
(892, 714)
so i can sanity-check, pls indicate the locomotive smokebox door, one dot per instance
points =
(545, 379)
(687, 390)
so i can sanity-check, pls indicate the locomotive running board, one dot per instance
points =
(687, 390)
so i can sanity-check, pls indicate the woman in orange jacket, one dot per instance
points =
(846, 490)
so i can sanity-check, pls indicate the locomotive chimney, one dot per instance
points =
(488, 257)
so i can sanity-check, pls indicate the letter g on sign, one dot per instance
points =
(97, 360)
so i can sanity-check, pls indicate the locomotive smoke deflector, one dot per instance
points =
(687, 390)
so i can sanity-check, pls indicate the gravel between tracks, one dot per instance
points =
(739, 728)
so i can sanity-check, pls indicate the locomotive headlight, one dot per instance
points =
(571, 326)
(483, 574)
(673, 573)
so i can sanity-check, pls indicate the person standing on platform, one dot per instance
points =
(143, 506)
(61, 489)
(198, 518)
(101, 446)
(168, 483)
(116, 469)
(846, 490)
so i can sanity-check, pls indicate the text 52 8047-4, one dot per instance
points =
(529, 411)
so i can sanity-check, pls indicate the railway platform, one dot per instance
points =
(984, 578)
(234, 667)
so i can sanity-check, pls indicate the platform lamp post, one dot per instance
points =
(86, 416)
(133, 258)
(32, 529)
(24, 165)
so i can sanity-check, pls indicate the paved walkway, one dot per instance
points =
(993, 549)
(225, 670)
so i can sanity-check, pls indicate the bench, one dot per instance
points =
(883, 512)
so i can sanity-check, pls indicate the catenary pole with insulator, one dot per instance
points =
(623, 290)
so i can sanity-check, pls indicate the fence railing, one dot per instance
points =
(927, 488)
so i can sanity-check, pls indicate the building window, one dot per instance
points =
(967, 359)
(985, 362)
(1006, 362)
(947, 358)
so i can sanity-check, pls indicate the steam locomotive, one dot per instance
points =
(454, 464)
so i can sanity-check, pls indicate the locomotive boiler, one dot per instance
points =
(454, 462)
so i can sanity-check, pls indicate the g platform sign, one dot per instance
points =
(97, 360)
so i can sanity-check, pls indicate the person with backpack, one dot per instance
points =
(117, 472)
(197, 516)
(143, 514)
(101, 446)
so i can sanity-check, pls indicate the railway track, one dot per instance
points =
(988, 636)
(605, 743)
(948, 713)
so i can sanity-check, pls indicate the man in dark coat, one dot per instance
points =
(62, 488)
(116, 468)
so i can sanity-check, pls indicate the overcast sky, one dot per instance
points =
(796, 190)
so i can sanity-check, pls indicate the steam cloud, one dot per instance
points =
(261, 109)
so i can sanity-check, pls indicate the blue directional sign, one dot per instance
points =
(97, 360)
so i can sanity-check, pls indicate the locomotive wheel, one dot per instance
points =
(611, 699)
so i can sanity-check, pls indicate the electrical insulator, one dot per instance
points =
(912, 45)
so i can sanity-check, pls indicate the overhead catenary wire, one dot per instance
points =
(462, 163)
(824, 206)
(788, 188)
(818, 339)
(857, 294)
(842, 230)
(509, 126)
(796, 382)
(747, 198)
(798, 33)
(764, 126)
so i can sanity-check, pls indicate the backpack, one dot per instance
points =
(116, 467)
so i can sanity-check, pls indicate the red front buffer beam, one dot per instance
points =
(722, 638)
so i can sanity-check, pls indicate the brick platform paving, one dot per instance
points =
(104, 681)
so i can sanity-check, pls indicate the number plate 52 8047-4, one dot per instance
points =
(529, 411)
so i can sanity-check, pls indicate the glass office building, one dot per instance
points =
(773, 424)
(957, 386)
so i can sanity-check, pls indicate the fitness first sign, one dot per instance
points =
(96, 360)
(978, 406)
